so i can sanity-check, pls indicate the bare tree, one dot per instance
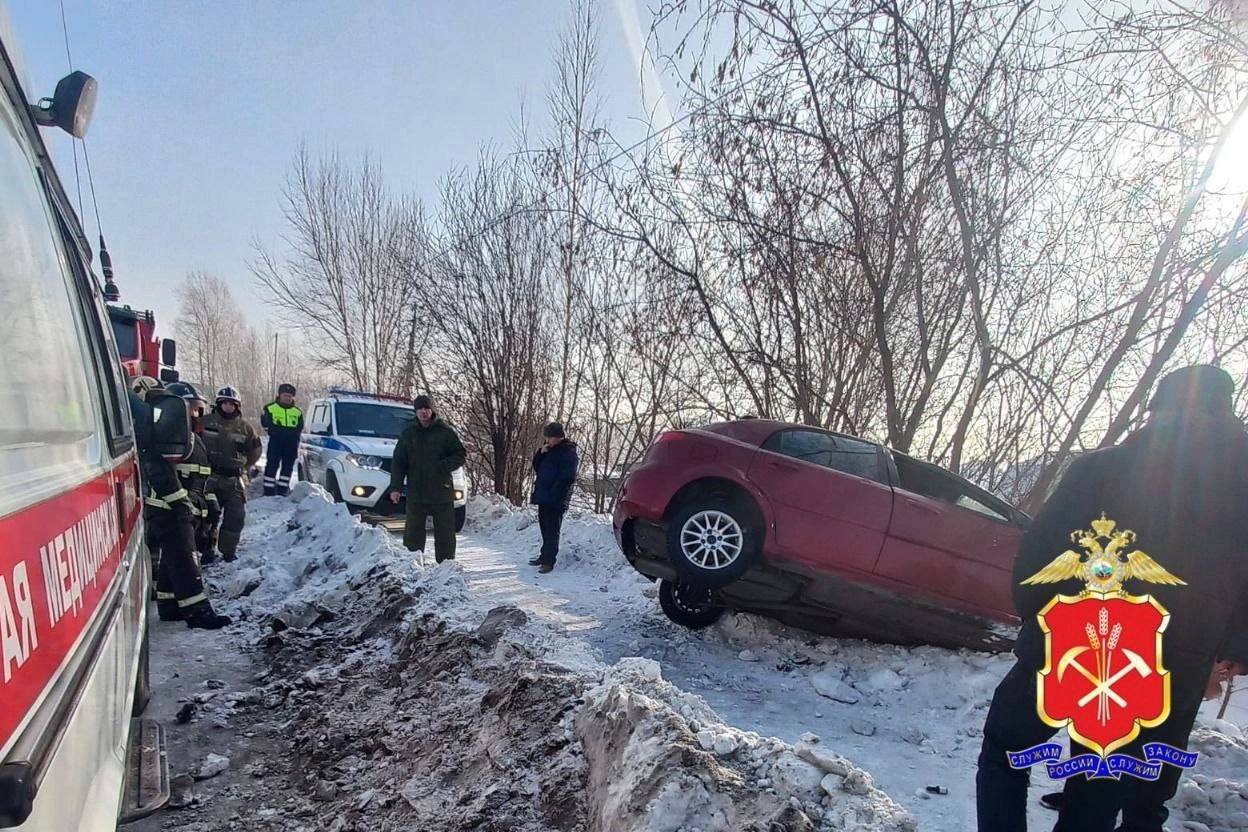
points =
(485, 298)
(208, 321)
(976, 231)
(220, 346)
(346, 278)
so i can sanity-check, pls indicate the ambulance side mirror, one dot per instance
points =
(171, 422)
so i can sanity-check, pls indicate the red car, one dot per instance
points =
(823, 531)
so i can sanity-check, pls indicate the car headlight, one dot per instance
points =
(364, 460)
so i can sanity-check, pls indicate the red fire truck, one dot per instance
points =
(142, 352)
(74, 575)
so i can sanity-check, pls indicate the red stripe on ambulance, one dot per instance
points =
(57, 561)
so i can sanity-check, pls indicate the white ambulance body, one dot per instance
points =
(73, 565)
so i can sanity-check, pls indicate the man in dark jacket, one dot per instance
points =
(284, 423)
(427, 453)
(555, 464)
(1181, 484)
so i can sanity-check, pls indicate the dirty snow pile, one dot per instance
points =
(911, 716)
(398, 700)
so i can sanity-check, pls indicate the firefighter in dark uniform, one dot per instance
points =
(284, 423)
(152, 466)
(171, 516)
(195, 470)
(233, 447)
(1181, 484)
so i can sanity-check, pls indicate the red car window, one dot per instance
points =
(840, 453)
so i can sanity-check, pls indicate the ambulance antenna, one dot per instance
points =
(111, 293)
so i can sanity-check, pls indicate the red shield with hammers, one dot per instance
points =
(1103, 677)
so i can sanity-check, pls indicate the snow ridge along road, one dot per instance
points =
(912, 717)
(382, 695)
(479, 695)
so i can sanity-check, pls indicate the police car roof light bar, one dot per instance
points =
(338, 391)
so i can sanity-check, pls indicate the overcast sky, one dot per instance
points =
(203, 104)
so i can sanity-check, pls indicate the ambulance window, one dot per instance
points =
(47, 421)
(110, 380)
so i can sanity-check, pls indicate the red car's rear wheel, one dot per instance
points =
(710, 542)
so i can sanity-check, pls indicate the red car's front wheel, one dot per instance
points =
(688, 606)
(710, 542)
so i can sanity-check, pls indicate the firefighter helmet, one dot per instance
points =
(186, 390)
(229, 394)
(140, 385)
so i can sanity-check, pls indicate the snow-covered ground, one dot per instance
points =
(390, 689)
(910, 716)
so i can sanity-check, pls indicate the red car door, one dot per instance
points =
(830, 503)
(950, 539)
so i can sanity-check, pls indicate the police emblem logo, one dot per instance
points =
(1103, 677)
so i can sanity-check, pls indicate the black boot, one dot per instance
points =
(269, 491)
(537, 561)
(167, 609)
(208, 557)
(201, 616)
(228, 558)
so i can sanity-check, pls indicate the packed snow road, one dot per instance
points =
(362, 690)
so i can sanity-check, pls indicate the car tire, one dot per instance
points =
(331, 485)
(461, 516)
(143, 683)
(711, 542)
(688, 605)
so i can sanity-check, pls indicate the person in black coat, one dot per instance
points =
(1181, 484)
(555, 464)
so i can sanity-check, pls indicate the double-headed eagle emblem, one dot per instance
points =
(1103, 565)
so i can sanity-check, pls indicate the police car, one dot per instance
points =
(348, 447)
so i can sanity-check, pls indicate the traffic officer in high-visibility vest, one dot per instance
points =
(284, 422)
(233, 447)
(171, 515)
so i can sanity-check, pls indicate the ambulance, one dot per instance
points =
(73, 567)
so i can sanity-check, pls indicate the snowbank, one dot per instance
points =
(353, 617)
(587, 544)
(363, 641)
(911, 715)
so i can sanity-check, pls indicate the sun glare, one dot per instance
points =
(1230, 171)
